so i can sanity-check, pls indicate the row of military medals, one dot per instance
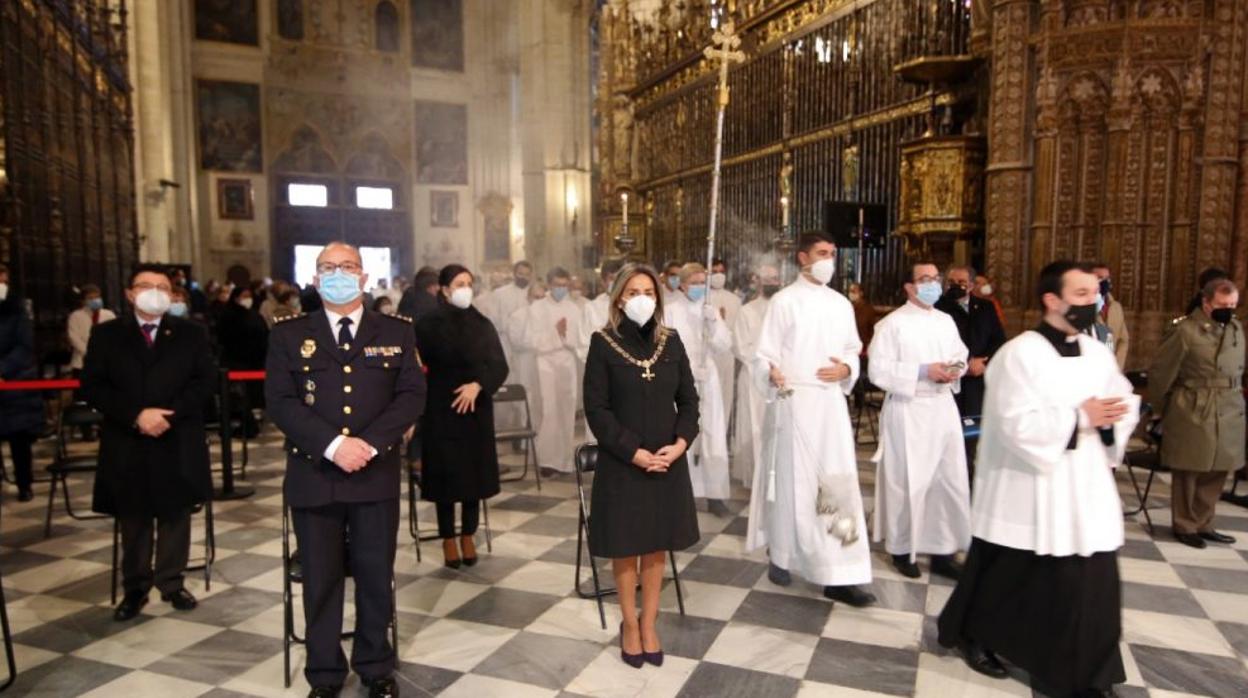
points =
(306, 351)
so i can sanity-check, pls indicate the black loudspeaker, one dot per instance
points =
(840, 222)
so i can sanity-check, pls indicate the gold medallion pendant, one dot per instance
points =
(646, 373)
(308, 348)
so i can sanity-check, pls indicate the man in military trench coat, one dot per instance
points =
(343, 384)
(1196, 384)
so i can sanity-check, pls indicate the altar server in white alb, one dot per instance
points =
(523, 361)
(1041, 588)
(751, 388)
(552, 332)
(728, 305)
(805, 505)
(706, 337)
(922, 493)
(595, 312)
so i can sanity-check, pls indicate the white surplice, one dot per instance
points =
(556, 376)
(1031, 491)
(523, 370)
(751, 397)
(807, 437)
(728, 305)
(500, 306)
(708, 462)
(922, 490)
(594, 317)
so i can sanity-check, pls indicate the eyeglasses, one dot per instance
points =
(330, 267)
(927, 279)
(145, 286)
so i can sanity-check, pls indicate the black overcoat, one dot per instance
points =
(121, 376)
(21, 411)
(634, 512)
(981, 332)
(458, 453)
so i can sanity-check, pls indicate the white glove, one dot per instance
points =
(709, 313)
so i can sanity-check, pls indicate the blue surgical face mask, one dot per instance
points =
(929, 292)
(339, 287)
(177, 309)
(558, 293)
(673, 282)
(697, 292)
(95, 303)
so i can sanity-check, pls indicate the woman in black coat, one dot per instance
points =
(642, 406)
(244, 339)
(21, 411)
(466, 366)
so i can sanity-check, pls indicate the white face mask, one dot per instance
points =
(639, 309)
(4, 291)
(152, 301)
(823, 270)
(246, 302)
(718, 280)
(985, 290)
(461, 297)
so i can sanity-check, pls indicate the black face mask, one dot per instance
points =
(770, 290)
(521, 282)
(1081, 317)
(956, 292)
(1106, 287)
(1222, 316)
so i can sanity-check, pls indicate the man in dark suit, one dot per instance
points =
(421, 298)
(150, 374)
(344, 384)
(981, 332)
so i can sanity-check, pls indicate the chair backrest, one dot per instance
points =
(587, 458)
(79, 414)
(512, 392)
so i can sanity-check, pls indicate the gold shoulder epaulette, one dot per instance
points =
(400, 318)
(284, 318)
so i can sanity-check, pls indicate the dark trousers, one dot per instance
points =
(471, 517)
(173, 549)
(322, 533)
(1193, 497)
(20, 449)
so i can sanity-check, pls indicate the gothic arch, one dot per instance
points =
(305, 154)
(375, 159)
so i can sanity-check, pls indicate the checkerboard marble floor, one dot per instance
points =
(513, 626)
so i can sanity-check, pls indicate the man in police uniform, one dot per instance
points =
(1196, 384)
(344, 384)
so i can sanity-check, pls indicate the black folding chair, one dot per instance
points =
(866, 405)
(63, 465)
(292, 574)
(1147, 458)
(587, 462)
(210, 549)
(515, 393)
(8, 639)
(413, 521)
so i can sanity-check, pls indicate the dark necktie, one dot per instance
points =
(344, 333)
(148, 328)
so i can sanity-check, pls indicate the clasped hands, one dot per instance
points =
(943, 372)
(466, 397)
(353, 454)
(1104, 412)
(153, 421)
(660, 460)
(832, 373)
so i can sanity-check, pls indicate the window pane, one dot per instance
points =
(308, 195)
(374, 197)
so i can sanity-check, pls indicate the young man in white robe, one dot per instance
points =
(552, 334)
(595, 313)
(523, 363)
(922, 493)
(500, 306)
(1040, 587)
(706, 337)
(806, 505)
(728, 305)
(751, 394)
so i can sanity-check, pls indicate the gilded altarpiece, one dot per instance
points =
(1115, 134)
(816, 112)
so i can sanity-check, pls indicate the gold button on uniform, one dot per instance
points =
(346, 431)
(307, 368)
(346, 388)
(346, 369)
(346, 409)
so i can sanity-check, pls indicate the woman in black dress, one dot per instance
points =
(464, 357)
(642, 406)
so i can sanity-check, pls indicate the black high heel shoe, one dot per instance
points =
(634, 660)
(655, 658)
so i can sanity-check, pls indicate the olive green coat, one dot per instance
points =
(1196, 385)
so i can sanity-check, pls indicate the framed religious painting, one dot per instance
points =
(234, 200)
(229, 126)
(444, 209)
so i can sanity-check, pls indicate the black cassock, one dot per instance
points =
(634, 512)
(458, 453)
(1058, 618)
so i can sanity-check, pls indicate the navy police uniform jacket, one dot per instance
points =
(315, 391)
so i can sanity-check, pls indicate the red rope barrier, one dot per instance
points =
(74, 383)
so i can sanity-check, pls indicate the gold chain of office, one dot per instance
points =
(644, 365)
